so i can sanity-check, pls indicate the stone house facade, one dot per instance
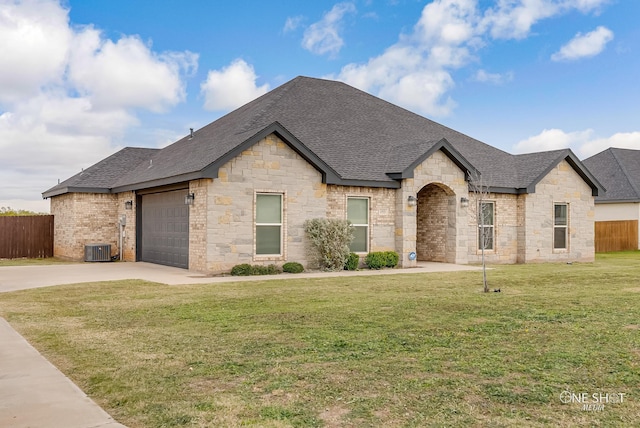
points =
(240, 189)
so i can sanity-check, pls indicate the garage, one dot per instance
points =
(164, 231)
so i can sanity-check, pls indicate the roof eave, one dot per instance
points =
(578, 167)
(71, 189)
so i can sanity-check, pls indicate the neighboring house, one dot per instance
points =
(240, 189)
(617, 209)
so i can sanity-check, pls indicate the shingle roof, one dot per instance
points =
(99, 178)
(352, 137)
(619, 171)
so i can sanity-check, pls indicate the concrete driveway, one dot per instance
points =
(14, 278)
(34, 393)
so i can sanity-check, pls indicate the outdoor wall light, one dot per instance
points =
(189, 198)
(128, 205)
(464, 202)
(412, 201)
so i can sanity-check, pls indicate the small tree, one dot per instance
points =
(330, 239)
(484, 219)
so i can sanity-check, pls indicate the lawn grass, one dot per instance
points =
(23, 261)
(400, 350)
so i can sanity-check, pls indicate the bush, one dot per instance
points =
(248, 270)
(353, 261)
(292, 267)
(241, 270)
(392, 259)
(381, 259)
(330, 239)
(376, 260)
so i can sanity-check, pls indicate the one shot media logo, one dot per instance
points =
(594, 402)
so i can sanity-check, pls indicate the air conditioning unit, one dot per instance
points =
(97, 253)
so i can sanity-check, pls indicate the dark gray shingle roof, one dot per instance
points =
(351, 136)
(619, 172)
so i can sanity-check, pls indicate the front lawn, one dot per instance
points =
(397, 350)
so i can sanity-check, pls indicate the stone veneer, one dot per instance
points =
(381, 212)
(438, 170)
(270, 166)
(561, 185)
(221, 221)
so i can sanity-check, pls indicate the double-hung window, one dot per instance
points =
(268, 224)
(358, 215)
(560, 226)
(486, 227)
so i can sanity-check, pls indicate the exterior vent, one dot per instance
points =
(97, 253)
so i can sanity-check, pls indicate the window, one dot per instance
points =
(486, 229)
(560, 226)
(358, 215)
(268, 224)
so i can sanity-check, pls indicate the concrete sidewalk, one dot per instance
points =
(35, 394)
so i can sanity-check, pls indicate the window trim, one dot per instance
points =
(281, 224)
(481, 226)
(561, 226)
(367, 225)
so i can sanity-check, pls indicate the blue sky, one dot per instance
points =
(81, 79)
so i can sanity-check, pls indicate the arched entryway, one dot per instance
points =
(436, 224)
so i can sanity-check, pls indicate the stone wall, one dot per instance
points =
(561, 185)
(198, 214)
(381, 212)
(433, 212)
(81, 219)
(508, 226)
(269, 166)
(440, 170)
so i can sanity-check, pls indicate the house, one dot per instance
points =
(240, 189)
(618, 209)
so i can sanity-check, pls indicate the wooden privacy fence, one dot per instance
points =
(26, 236)
(616, 235)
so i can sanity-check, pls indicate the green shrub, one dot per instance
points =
(292, 267)
(353, 261)
(241, 270)
(330, 239)
(245, 269)
(392, 259)
(376, 260)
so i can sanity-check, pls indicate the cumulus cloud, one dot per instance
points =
(584, 45)
(231, 87)
(323, 37)
(68, 94)
(583, 143)
(447, 37)
(292, 23)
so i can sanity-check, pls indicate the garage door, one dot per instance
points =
(165, 229)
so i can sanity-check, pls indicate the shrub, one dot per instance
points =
(376, 260)
(292, 267)
(353, 261)
(392, 259)
(245, 269)
(330, 239)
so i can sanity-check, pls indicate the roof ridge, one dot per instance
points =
(624, 171)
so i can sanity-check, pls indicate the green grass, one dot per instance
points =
(33, 262)
(394, 351)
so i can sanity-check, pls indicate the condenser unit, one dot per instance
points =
(97, 253)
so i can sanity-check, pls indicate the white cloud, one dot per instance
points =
(583, 143)
(416, 72)
(584, 45)
(68, 94)
(484, 76)
(231, 87)
(323, 37)
(292, 23)
(34, 41)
